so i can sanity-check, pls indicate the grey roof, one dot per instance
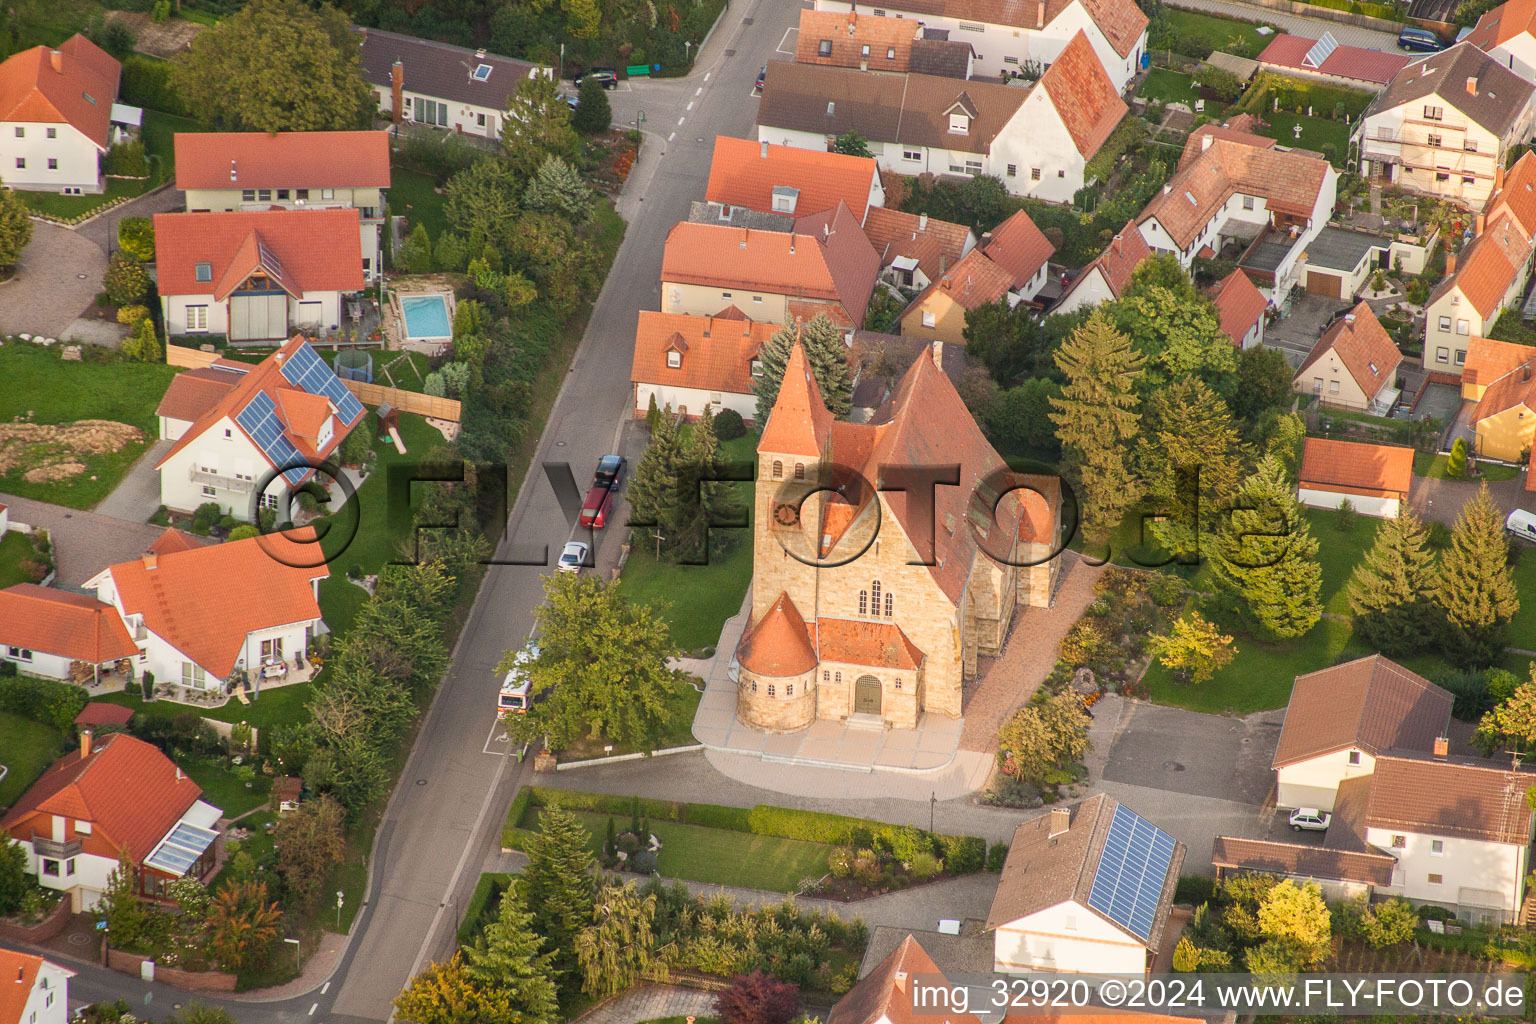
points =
(441, 71)
(1268, 253)
(970, 952)
(1242, 67)
(1501, 94)
(899, 352)
(940, 57)
(701, 211)
(1341, 249)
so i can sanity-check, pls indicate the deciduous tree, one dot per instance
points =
(276, 66)
(14, 880)
(445, 993)
(1297, 914)
(15, 227)
(1043, 735)
(757, 998)
(1391, 592)
(242, 925)
(825, 353)
(1512, 724)
(1476, 589)
(1193, 648)
(125, 281)
(851, 144)
(1265, 557)
(618, 948)
(1175, 327)
(1009, 340)
(310, 842)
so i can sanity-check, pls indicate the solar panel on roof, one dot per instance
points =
(259, 420)
(305, 369)
(1321, 50)
(1129, 881)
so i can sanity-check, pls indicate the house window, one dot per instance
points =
(1432, 141)
(1462, 327)
(192, 675)
(50, 867)
(1034, 174)
(1013, 170)
(264, 195)
(228, 434)
(973, 167)
(1461, 356)
(754, 686)
(913, 155)
(1470, 145)
(959, 124)
(19, 654)
(863, 602)
(1010, 60)
(1061, 174)
(1442, 354)
(1467, 179)
(757, 299)
(327, 193)
(778, 469)
(247, 195)
(1247, 202)
(197, 318)
(269, 501)
(837, 677)
(725, 295)
(53, 163)
(283, 193)
(82, 827)
(1445, 323)
(479, 120)
(1436, 879)
(887, 604)
(825, 675)
(21, 163)
(789, 689)
(1333, 387)
(890, 53)
(210, 491)
(69, 869)
(1442, 176)
(756, 368)
(203, 272)
(1354, 757)
(21, 132)
(1433, 113)
(824, 48)
(674, 360)
(968, 27)
(799, 471)
(53, 133)
(928, 319)
(1437, 847)
(1399, 842)
(770, 690)
(301, 194)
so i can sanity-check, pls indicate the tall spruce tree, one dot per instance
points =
(1476, 589)
(656, 492)
(1391, 592)
(1096, 417)
(1264, 558)
(558, 888)
(509, 959)
(707, 501)
(825, 353)
(1192, 461)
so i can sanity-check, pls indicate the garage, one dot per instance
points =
(1328, 285)
(258, 316)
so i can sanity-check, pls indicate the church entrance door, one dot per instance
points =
(866, 696)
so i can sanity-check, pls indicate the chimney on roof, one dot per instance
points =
(1442, 747)
(1205, 141)
(1114, 245)
(397, 92)
(853, 18)
(178, 773)
(1061, 821)
(1040, 14)
(762, 150)
(151, 560)
(1471, 85)
(791, 243)
(901, 981)
(56, 59)
(1167, 188)
(922, 222)
(480, 54)
(1477, 225)
(20, 971)
(1349, 318)
(938, 353)
(232, 175)
(1450, 264)
(1498, 177)
(85, 744)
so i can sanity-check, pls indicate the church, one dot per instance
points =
(873, 593)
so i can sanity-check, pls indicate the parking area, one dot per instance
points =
(1198, 755)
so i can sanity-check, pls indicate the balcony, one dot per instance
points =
(45, 847)
(228, 483)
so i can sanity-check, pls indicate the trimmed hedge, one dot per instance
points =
(483, 905)
(737, 819)
(43, 700)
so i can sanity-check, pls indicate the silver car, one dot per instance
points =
(1310, 819)
(573, 557)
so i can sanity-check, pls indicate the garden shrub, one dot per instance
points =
(126, 160)
(1194, 890)
(147, 83)
(964, 855)
(729, 425)
(125, 281)
(997, 854)
(925, 865)
(643, 862)
(48, 701)
(136, 236)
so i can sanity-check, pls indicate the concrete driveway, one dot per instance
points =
(1440, 501)
(57, 278)
(103, 230)
(137, 495)
(84, 543)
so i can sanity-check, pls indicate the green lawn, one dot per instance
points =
(1259, 678)
(1434, 467)
(223, 789)
(27, 747)
(15, 548)
(1522, 630)
(1170, 87)
(276, 706)
(1339, 552)
(1196, 34)
(1316, 133)
(413, 195)
(158, 132)
(40, 387)
(720, 856)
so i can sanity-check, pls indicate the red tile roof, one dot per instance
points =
(1488, 266)
(1121, 21)
(777, 644)
(1372, 704)
(1291, 181)
(79, 91)
(1120, 258)
(1368, 353)
(1005, 261)
(193, 392)
(745, 173)
(883, 995)
(833, 263)
(99, 712)
(1374, 66)
(298, 415)
(1240, 304)
(1083, 94)
(230, 160)
(303, 250)
(175, 540)
(973, 282)
(1233, 130)
(1018, 246)
(1503, 23)
(205, 601)
(717, 353)
(1464, 799)
(1377, 470)
(799, 422)
(63, 624)
(935, 244)
(1517, 198)
(849, 32)
(878, 644)
(14, 994)
(1513, 389)
(126, 788)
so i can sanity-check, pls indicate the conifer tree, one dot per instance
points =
(655, 492)
(557, 885)
(1192, 461)
(1475, 588)
(825, 354)
(1264, 558)
(508, 959)
(706, 501)
(1096, 417)
(1391, 592)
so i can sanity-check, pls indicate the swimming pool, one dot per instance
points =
(426, 316)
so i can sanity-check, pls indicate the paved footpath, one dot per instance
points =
(1296, 24)
(651, 1002)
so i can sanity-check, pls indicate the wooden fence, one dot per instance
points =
(369, 394)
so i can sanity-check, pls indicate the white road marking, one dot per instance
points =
(698, 91)
(325, 988)
(689, 106)
(707, 74)
(672, 136)
(680, 121)
(312, 1009)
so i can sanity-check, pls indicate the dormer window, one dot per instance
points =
(756, 368)
(674, 359)
(785, 199)
(959, 124)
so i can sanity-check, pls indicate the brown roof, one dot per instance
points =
(777, 644)
(193, 392)
(441, 70)
(1083, 94)
(833, 262)
(1518, 196)
(99, 712)
(1044, 870)
(1304, 861)
(1239, 303)
(1018, 246)
(1120, 258)
(1489, 265)
(1465, 798)
(1233, 130)
(63, 624)
(1378, 470)
(1004, 261)
(1360, 342)
(1497, 105)
(880, 995)
(1372, 704)
(909, 108)
(1488, 360)
(717, 356)
(1346, 832)
(1121, 21)
(973, 282)
(935, 244)
(745, 173)
(227, 160)
(880, 644)
(1289, 180)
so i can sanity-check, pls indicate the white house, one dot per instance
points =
(1038, 139)
(1084, 890)
(1008, 37)
(202, 615)
(1353, 365)
(696, 362)
(1486, 278)
(44, 632)
(1239, 193)
(256, 439)
(1445, 124)
(106, 797)
(35, 991)
(223, 171)
(1108, 274)
(56, 116)
(1373, 478)
(1241, 307)
(449, 87)
(257, 276)
(1508, 35)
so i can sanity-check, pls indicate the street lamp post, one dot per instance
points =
(933, 798)
(340, 899)
(688, 52)
(297, 954)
